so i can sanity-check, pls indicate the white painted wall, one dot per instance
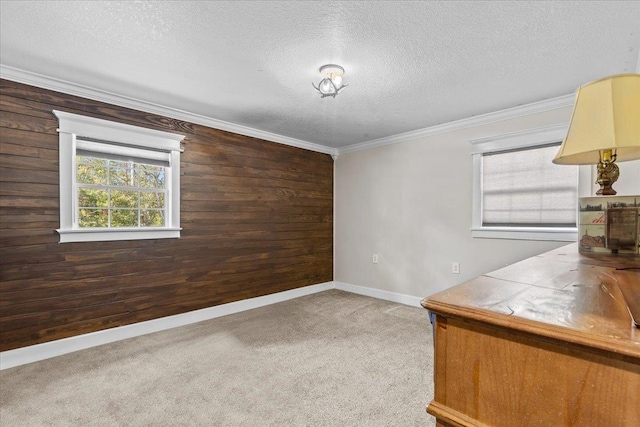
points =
(410, 203)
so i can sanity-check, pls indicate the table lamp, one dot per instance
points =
(604, 128)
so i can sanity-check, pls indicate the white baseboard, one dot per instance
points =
(379, 294)
(34, 353)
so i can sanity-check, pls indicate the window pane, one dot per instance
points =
(93, 218)
(124, 218)
(92, 197)
(151, 218)
(91, 170)
(149, 199)
(124, 199)
(122, 174)
(525, 188)
(151, 176)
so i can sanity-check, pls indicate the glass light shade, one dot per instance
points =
(606, 116)
(325, 86)
(331, 84)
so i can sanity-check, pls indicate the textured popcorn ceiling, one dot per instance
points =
(409, 65)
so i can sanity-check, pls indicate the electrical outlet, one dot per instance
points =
(455, 267)
(375, 258)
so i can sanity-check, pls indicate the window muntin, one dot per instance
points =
(117, 181)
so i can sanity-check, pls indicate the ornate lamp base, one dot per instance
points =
(608, 173)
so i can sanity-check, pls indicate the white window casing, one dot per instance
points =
(529, 139)
(80, 134)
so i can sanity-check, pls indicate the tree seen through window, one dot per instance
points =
(119, 193)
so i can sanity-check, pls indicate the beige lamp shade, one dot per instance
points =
(606, 116)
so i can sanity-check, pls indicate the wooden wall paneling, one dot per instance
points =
(257, 218)
(39, 102)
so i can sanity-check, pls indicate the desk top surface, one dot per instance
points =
(561, 294)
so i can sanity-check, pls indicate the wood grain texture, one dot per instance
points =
(629, 283)
(547, 341)
(257, 219)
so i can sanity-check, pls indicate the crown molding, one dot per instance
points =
(483, 119)
(58, 85)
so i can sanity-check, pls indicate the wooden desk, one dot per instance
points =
(544, 342)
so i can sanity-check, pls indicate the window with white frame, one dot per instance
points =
(117, 181)
(518, 193)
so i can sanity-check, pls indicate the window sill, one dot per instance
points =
(112, 234)
(526, 233)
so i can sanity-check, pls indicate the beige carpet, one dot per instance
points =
(329, 359)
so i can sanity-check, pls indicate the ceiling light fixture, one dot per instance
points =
(331, 84)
